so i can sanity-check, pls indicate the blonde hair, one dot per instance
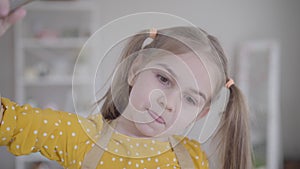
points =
(234, 148)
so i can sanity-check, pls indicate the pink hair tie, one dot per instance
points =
(152, 33)
(229, 83)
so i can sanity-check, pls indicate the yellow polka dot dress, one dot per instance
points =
(67, 138)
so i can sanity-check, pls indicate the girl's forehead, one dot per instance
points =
(180, 63)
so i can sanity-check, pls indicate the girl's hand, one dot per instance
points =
(6, 19)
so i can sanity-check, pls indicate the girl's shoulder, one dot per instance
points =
(198, 155)
(188, 143)
(93, 123)
(96, 119)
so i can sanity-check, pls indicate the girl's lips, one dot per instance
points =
(156, 117)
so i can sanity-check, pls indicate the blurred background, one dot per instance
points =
(38, 54)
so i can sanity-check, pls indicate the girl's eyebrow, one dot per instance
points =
(173, 74)
(168, 69)
(199, 93)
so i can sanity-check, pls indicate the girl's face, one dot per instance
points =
(167, 95)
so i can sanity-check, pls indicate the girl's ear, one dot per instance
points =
(204, 112)
(133, 71)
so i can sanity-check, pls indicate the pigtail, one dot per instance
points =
(135, 44)
(233, 133)
(234, 145)
(109, 109)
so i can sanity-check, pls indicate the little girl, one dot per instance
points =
(159, 90)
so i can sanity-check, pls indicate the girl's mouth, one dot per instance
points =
(156, 117)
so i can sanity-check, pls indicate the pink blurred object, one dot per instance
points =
(47, 34)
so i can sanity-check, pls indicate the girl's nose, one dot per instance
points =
(168, 102)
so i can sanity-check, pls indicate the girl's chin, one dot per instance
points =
(149, 129)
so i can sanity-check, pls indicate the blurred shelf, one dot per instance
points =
(54, 43)
(55, 81)
(47, 43)
(70, 5)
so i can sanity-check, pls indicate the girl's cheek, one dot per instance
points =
(190, 110)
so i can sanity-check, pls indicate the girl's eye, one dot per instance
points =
(164, 80)
(191, 100)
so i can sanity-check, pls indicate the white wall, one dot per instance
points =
(232, 22)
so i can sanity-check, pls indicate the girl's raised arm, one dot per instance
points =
(57, 135)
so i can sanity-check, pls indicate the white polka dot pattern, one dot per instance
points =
(66, 138)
